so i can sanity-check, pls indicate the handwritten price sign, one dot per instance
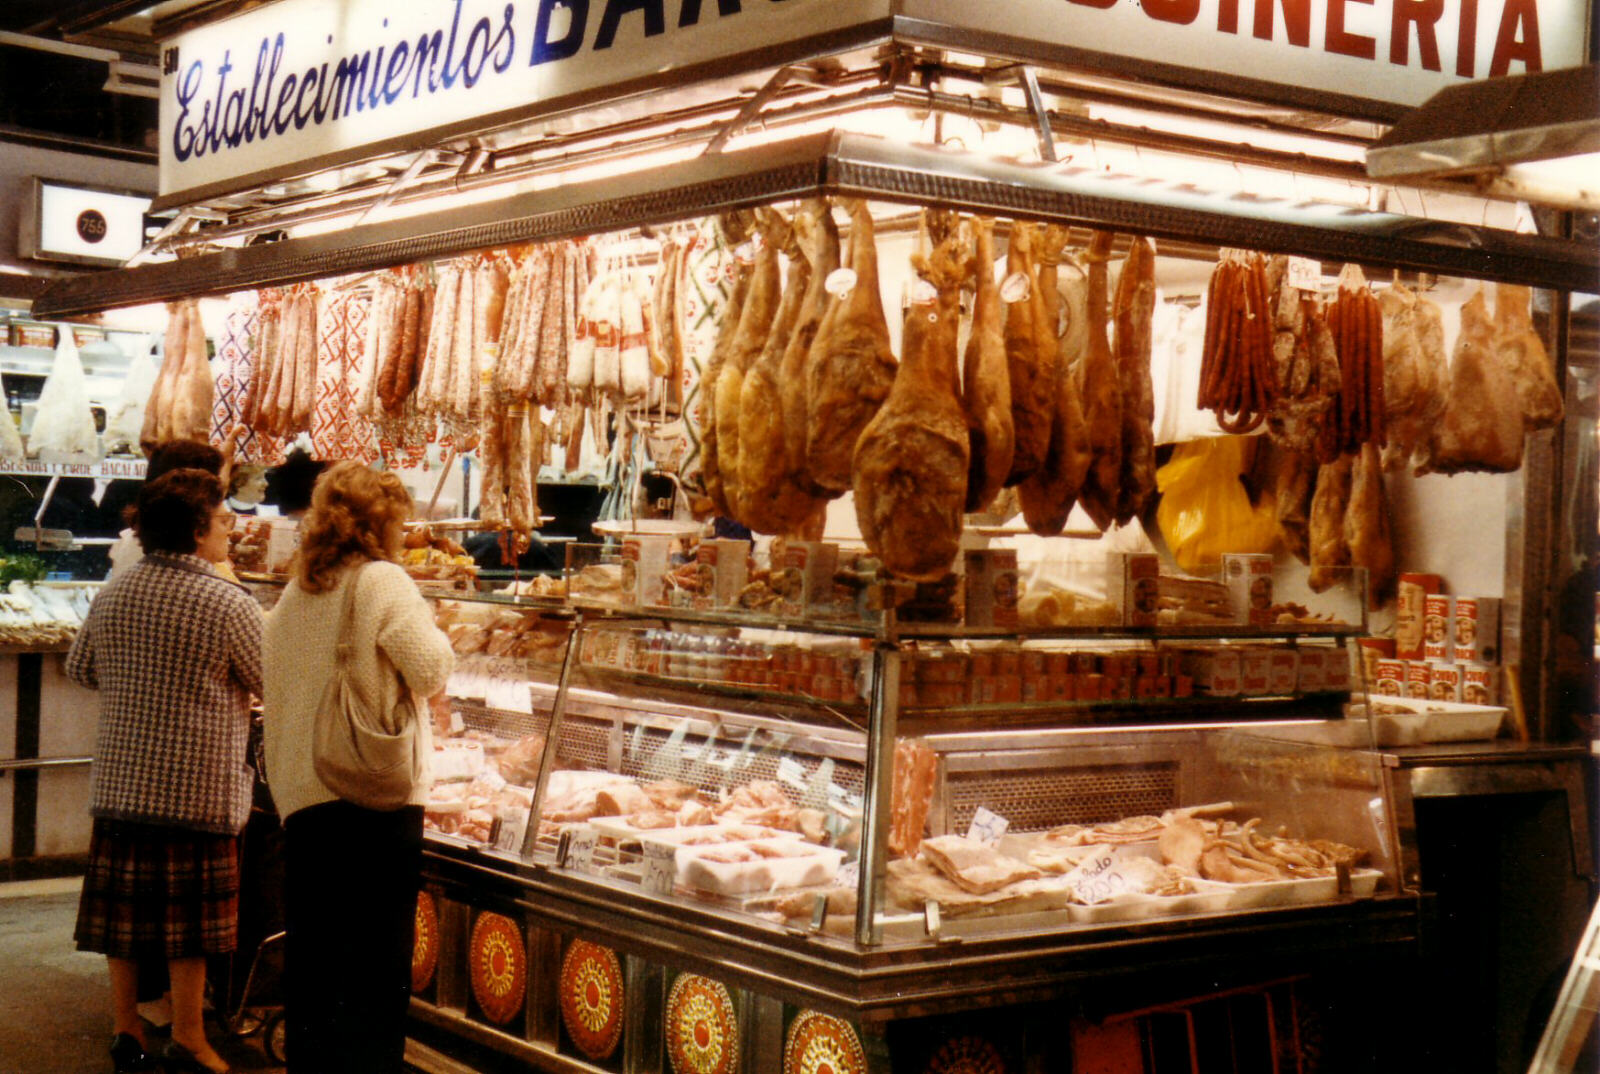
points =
(1097, 878)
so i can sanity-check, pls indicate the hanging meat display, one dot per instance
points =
(986, 382)
(910, 468)
(1099, 386)
(1032, 367)
(1356, 320)
(180, 402)
(1049, 492)
(755, 325)
(1133, 341)
(1237, 373)
(1481, 427)
(851, 367)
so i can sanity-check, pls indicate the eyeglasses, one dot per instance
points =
(225, 518)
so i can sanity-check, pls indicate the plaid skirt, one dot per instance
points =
(157, 892)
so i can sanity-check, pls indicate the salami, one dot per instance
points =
(305, 369)
(288, 361)
(379, 333)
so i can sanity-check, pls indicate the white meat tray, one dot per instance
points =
(1363, 883)
(1138, 906)
(797, 865)
(1432, 721)
(707, 834)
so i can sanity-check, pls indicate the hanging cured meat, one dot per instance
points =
(1132, 341)
(1304, 415)
(1522, 352)
(820, 246)
(986, 382)
(1415, 371)
(1031, 364)
(910, 470)
(1099, 381)
(1366, 526)
(1048, 494)
(755, 325)
(850, 368)
(669, 321)
(1237, 373)
(1482, 424)
(1356, 319)
(1296, 479)
(269, 324)
(763, 463)
(158, 411)
(743, 276)
(1330, 548)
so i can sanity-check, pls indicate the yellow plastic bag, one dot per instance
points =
(1204, 509)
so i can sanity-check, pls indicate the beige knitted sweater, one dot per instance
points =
(393, 632)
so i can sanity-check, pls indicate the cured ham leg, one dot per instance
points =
(910, 466)
(1330, 550)
(986, 382)
(850, 369)
(1366, 526)
(761, 455)
(1132, 342)
(1100, 387)
(1048, 494)
(1482, 425)
(1032, 367)
(710, 473)
(1522, 352)
(755, 325)
(820, 244)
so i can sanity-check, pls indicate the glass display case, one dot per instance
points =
(896, 784)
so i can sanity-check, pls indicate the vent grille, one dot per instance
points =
(1039, 799)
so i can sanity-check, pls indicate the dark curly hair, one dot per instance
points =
(175, 509)
(357, 514)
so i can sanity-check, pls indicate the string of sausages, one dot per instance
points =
(1238, 378)
(1356, 319)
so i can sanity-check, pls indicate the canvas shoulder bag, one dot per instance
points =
(365, 756)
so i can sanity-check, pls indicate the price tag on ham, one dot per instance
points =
(576, 849)
(660, 868)
(923, 293)
(840, 282)
(1098, 879)
(987, 827)
(1305, 274)
(1016, 288)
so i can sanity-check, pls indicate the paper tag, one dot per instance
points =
(576, 849)
(791, 772)
(1305, 273)
(1097, 878)
(457, 724)
(660, 868)
(840, 282)
(746, 253)
(987, 827)
(503, 694)
(1016, 288)
(849, 875)
(923, 293)
(513, 827)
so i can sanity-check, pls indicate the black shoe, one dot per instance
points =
(129, 1057)
(180, 1060)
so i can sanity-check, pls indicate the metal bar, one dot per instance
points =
(552, 738)
(874, 856)
(29, 764)
(1041, 115)
(751, 109)
(25, 790)
(61, 48)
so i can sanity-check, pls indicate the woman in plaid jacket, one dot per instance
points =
(175, 651)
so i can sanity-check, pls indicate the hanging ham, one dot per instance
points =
(910, 467)
(850, 368)
(1482, 425)
(986, 382)
(1100, 386)
(755, 325)
(1133, 311)
(1048, 494)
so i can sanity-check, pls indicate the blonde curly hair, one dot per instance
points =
(356, 514)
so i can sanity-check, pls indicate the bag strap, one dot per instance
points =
(346, 612)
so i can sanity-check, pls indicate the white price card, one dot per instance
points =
(508, 695)
(987, 827)
(791, 772)
(576, 850)
(513, 827)
(1097, 878)
(848, 876)
(459, 684)
(1305, 273)
(660, 868)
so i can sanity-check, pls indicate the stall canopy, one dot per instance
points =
(304, 139)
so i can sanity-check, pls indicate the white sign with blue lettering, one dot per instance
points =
(309, 80)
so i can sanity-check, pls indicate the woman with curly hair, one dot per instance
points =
(351, 873)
